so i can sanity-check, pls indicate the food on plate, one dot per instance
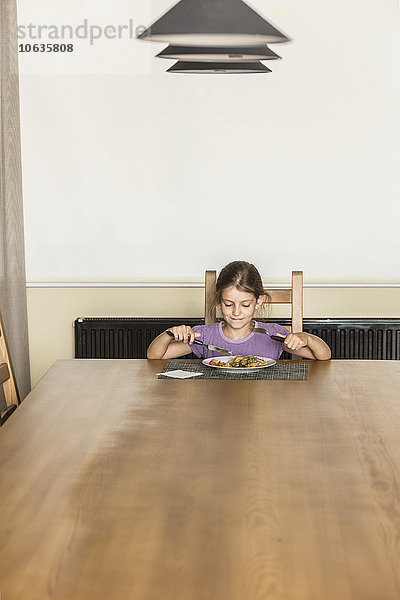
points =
(247, 361)
(217, 363)
(240, 362)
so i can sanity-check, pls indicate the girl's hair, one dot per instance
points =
(242, 275)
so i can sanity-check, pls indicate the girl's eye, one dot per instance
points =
(227, 305)
(245, 305)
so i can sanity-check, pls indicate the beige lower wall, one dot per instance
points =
(52, 311)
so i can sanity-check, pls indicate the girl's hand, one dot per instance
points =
(184, 333)
(295, 341)
(307, 345)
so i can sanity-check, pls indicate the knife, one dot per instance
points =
(277, 338)
(209, 346)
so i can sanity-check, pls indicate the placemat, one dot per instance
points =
(294, 371)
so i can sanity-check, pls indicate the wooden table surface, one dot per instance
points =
(116, 486)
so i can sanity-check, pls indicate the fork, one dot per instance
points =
(277, 338)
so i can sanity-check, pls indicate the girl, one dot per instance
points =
(239, 292)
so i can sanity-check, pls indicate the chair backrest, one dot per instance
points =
(292, 296)
(7, 378)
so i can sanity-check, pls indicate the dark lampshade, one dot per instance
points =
(218, 67)
(213, 22)
(218, 53)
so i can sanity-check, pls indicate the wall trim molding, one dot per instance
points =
(163, 284)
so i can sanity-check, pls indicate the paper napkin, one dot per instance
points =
(179, 374)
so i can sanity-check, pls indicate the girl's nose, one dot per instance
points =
(236, 310)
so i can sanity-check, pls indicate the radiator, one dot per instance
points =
(109, 337)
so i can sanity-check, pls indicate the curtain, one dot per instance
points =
(13, 304)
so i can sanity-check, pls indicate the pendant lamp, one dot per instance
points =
(218, 67)
(218, 53)
(213, 22)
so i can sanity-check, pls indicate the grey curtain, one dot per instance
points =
(13, 305)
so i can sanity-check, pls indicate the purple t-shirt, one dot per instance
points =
(256, 344)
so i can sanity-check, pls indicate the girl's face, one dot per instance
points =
(238, 307)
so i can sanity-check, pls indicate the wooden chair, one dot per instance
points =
(292, 296)
(7, 379)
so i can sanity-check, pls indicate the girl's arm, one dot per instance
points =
(307, 345)
(165, 346)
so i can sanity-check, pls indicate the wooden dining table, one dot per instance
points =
(117, 485)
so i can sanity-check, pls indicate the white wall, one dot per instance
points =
(294, 169)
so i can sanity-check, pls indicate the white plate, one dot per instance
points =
(226, 359)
